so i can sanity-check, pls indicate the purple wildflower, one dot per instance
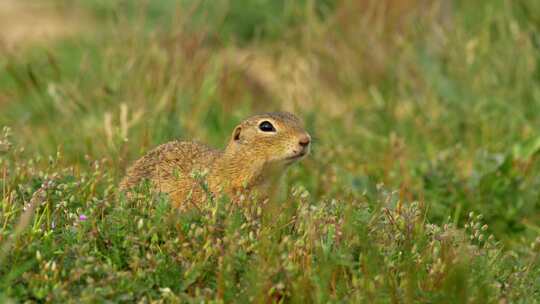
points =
(82, 218)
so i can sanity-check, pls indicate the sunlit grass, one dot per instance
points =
(423, 184)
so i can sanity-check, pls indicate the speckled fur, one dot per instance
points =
(252, 161)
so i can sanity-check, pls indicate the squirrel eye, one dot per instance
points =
(266, 126)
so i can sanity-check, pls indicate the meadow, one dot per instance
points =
(423, 185)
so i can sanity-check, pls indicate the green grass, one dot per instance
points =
(423, 184)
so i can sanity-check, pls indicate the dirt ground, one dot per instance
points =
(24, 23)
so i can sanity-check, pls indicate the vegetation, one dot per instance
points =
(423, 184)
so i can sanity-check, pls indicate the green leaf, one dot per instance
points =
(527, 149)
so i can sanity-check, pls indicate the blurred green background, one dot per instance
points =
(439, 100)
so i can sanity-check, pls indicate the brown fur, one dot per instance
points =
(252, 161)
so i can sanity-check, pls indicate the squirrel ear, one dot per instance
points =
(236, 133)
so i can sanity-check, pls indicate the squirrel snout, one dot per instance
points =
(304, 140)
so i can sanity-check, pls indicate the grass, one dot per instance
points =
(423, 184)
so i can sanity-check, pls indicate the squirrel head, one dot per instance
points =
(274, 138)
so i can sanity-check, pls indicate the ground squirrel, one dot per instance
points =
(259, 150)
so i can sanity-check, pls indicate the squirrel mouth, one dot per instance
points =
(297, 156)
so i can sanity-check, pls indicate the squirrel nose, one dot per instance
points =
(304, 140)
